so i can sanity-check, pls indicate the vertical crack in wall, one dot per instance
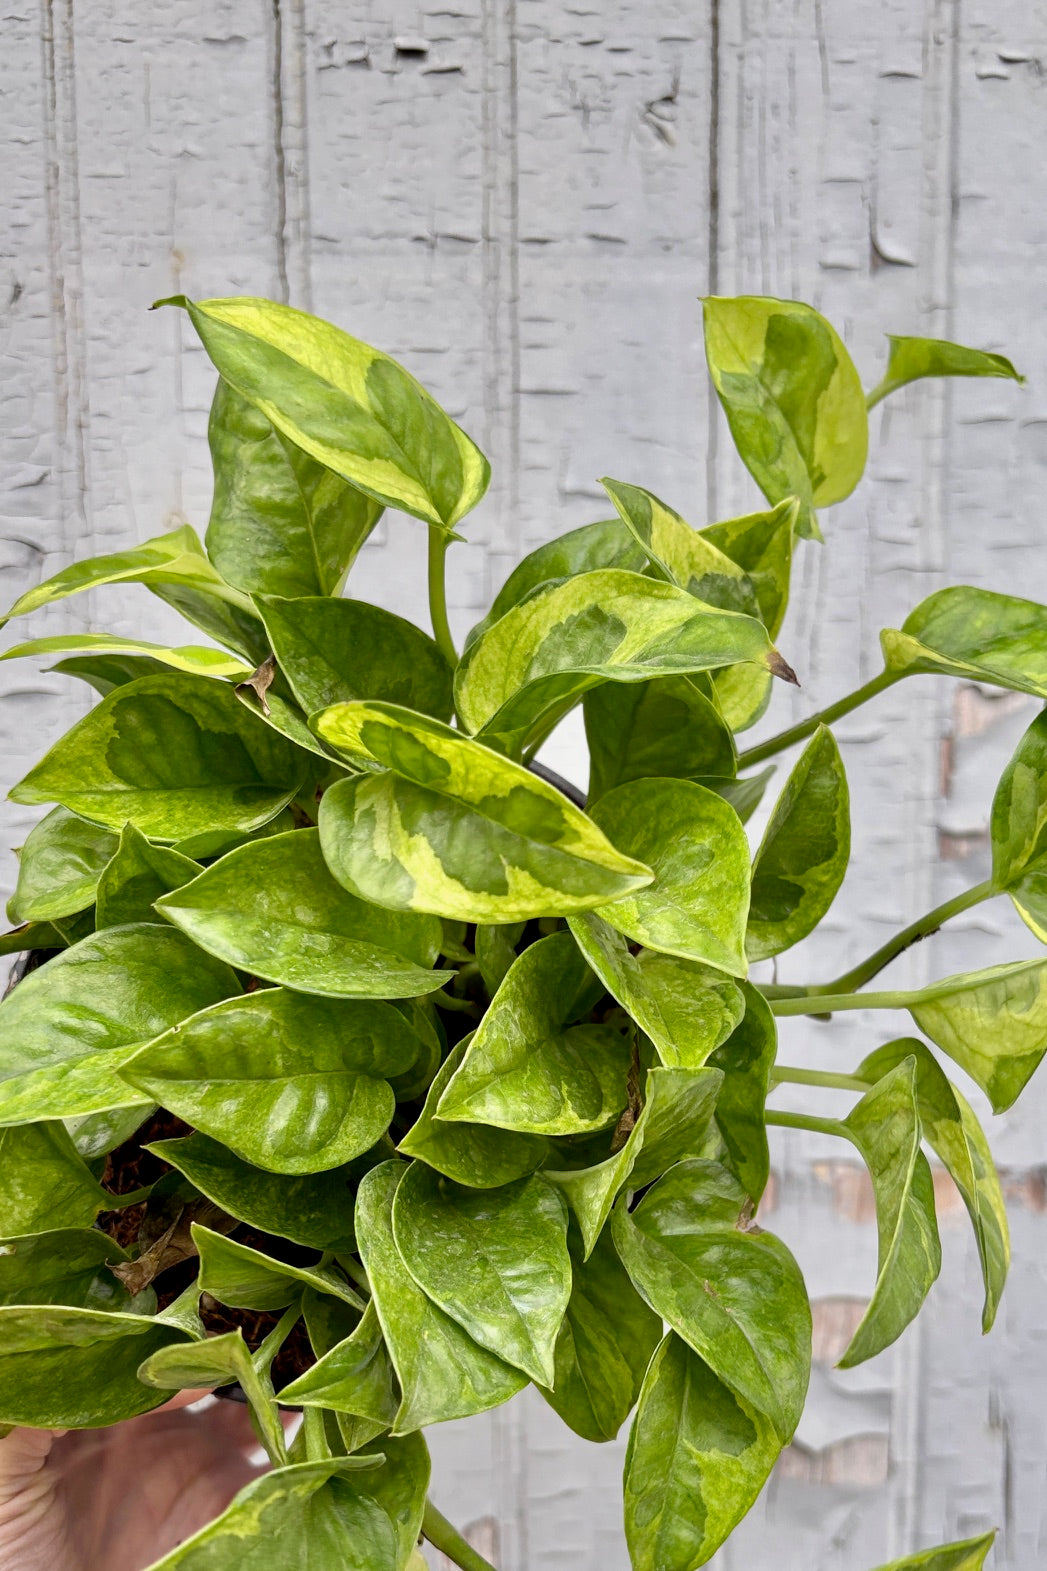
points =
(290, 152)
(279, 161)
(713, 243)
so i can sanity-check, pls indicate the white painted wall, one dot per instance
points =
(523, 200)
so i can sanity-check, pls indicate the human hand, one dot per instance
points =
(117, 1499)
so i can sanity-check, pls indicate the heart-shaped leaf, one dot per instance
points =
(746, 1059)
(273, 909)
(68, 1266)
(604, 1346)
(174, 755)
(456, 828)
(244, 1278)
(975, 634)
(672, 1124)
(399, 1486)
(137, 875)
(736, 1297)
(197, 661)
(687, 1009)
(1019, 829)
(476, 1154)
(604, 626)
(59, 867)
(46, 1181)
(291, 1083)
(885, 1126)
(356, 1376)
(967, 1555)
(666, 729)
(314, 1209)
(495, 1260)
(993, 1023)
(443, 1373)
(792, 398)
(281, 524)
(680, 554)
(698, 1457)
(67, 1027)
(912, 358)
(348, 406)
(803, 856)
(762, 544)
(216, 1361)
(950, 1126)
(699, 900)
(525, 1069)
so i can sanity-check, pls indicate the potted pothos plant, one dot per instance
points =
(359, 1066)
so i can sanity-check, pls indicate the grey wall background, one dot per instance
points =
(522, 200)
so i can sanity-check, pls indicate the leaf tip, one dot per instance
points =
(779, 667)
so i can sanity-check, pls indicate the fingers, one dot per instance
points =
(23, 1453)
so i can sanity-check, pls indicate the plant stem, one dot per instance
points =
(923, 927)
(438, 543)
(817, 1126)
(806, 728)
(783, 1075)
(443, 1535)
(878, 393)
(832, 1003)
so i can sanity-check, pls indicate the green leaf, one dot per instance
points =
(67, 1027)
(67, 1266)
(281, 524)
(495, 947)
(604, 1346)
(476, 1154)
(666, 729)
(885, 1126)
(291, 1083)
(244, 1278)
(525, 1069)
(975, 634)
(687, 1009)
(699, 900)
(912, 358)
(96, 1134)
(746, 1059)
(46, 1181)
(993, 1023)
(31, 935)
(399, 1487)
(174, 755)
(174, 559)
(356, 1376)
(804, 852)
(287, 719)
(495, 1260)
(950, 1126)
(216, 1361)
(333, 651)
(272, 908)
(744, 794)
(736, 1297)
(457, 829)
(1019, 829)
(680, 554)
(348, 406)
(310, 1503)
(698, 1457)
(197, 661)
(233, 625)
(443, 1373)
(104, 672)
(678, 1104)
(606, 544)
(967, 1555)
(59, 867)
(762, 544)
(70, 1368)
(137, 875)
(604, 626)
(314, 1209)
(792, 398)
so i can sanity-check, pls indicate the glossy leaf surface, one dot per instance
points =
(67, 1266)
(244, 1278)
(104, 672)
(443, 1373)
(695, 844)
(273, 908)
(475, 1154)
(912, 358)
(525, 1069)
(885, 1126)
(66, 1029)
(736, 1297)
(291, 1083)
(356, 1376)
(950, 1126)
(333, 651)
(196, 661)
(762, 544)
(746, 1059)
(966, 1555)
(698, 1456)
(975, 634)
(680, 554)
(46, 1182)
(667, 729)
(803, 856)
(792, 398)
(281, 523)
(1019, 829)
(174, 755)
(495, 1260)
(59, 867)
(137, 875)
(993, 1023)
(457, 829)
(348, 406)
